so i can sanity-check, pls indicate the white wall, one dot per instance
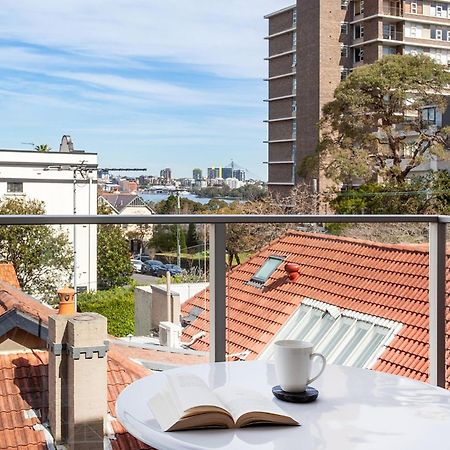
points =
(49, 177)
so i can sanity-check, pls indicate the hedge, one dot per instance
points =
(117, 305)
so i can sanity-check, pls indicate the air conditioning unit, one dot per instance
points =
(169, 334)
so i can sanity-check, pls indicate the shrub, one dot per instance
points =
(117, 305)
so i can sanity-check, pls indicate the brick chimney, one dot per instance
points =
(77, 379)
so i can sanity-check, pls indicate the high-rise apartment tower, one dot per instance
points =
(314, 44)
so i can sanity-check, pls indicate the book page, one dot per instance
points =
(191, 391)
(183, 396)
(241, 401)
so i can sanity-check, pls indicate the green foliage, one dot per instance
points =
(117, 305)
(113, 260)
(192, 239)
(44, 148)
(420, 195)
(165, 238)
(250, 192)
(169, 206)
(41, 255)
(375, 124)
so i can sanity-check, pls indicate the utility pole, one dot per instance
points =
(178, 231)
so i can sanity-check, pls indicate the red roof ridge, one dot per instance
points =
(421, 248)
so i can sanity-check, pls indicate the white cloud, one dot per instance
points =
(220, 36)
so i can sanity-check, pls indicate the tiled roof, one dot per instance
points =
(388, 281)
(8, 274)
(119, 201)
(23, 384)
(24, 400)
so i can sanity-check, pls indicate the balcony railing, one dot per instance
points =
(393, 35)
(217, 225)
(393, 12)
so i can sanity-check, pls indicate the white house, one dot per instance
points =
(129, 205)
(66, 181)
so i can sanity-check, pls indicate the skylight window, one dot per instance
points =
(195, 312)
(267, 269)
(343, 336)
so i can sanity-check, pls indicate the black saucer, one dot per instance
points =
(296, 397)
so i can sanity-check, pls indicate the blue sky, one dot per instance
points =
(149, 83)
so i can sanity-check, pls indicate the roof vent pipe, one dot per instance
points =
(293, 271)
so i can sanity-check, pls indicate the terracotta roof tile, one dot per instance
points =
(28, 390)
(8, 274)
(385, 280)
(24, 385)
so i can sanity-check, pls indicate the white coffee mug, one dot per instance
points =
(293, 364)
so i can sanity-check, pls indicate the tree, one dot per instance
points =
(41, 255)
(113, 260)
(246, 238)
(192, 238)
(44, 148)
(379, 121)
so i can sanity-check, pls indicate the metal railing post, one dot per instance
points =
(436, 288)
(217, 292)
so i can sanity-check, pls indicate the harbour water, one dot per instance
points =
(155, 198)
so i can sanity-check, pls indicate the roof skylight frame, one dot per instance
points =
(271, 264)
(302, 319)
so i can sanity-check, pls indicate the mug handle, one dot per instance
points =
(324, 361)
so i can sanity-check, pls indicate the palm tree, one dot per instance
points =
(42, 148)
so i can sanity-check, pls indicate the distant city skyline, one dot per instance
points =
(150, 84)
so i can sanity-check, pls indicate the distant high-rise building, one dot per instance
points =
(166, 174)
(227, 172)
(314, 44)
(239, 174)
(197, 174)
(214, 172)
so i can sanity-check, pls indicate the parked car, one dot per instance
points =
(137, 265)
(172, 268)
(142, 258)
(151, 266)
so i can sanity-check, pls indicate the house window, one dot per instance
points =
(344, 73)
(438, 35)
(294, 17)
(358, 55)
(294, 84)
(267, 269)
(294, 59)
(294, 129)
(344, 4)
(294, 106)
(14, 187)
(358, 32)
(429, 115)
(413, 8)
(195, 312)
(344, 51)
(294, 39)
(389, 51)
(342, 336)
(344, 27)
(357, 7)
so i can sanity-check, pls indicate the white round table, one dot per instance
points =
(357, 409)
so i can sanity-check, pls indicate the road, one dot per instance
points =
(143, 280)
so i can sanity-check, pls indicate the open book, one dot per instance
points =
(186, 403)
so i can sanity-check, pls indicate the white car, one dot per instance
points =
(137, 265)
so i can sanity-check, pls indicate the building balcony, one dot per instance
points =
(367, 304)
(393, 35)
(392, 11)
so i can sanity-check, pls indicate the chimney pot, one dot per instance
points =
(66, 301)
